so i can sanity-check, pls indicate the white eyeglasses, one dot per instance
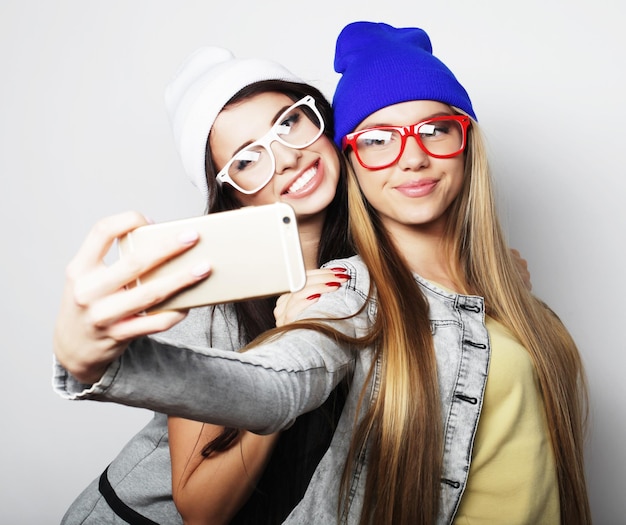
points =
(253, 167)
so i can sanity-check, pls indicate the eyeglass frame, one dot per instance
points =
(265, 142)
(407, 131)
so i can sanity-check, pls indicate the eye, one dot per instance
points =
(434, 130)
(244, 159)
(288, 122)
(375, 138)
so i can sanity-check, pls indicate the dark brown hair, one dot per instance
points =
(254, 317)
(300, 448)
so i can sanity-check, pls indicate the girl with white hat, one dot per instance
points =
(217, 104)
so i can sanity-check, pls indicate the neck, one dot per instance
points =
(310, 231)
(423, 250)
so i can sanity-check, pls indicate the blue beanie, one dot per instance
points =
(382, 65)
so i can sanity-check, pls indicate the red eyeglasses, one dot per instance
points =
(381, 146)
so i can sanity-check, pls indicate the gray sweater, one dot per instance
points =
(141, 474)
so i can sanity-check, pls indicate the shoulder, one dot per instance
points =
(359, 281)
(205, 327)
(354, 295)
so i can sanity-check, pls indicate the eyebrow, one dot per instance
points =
(387, 125)
(272, 121)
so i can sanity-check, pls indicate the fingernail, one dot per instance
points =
(188, 237)
(333, 284)
(338, 269)
(201, 269)
(342, 275)
(314, 296)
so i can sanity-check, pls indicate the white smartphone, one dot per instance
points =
(253, 252)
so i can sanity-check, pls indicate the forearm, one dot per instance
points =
(212, 490)
(263, 391)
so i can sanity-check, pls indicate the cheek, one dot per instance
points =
(333, 170)
(458, 176)
(265, 196)
(332, 161)
(369, 183)
(330, 158)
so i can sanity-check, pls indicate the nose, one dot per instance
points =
(413, 157)
(286, 157)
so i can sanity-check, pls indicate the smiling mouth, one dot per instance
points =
(303, 179)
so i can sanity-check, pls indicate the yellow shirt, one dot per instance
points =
(512, 477)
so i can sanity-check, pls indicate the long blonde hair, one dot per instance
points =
(403, 426)
(402, 430)
(477, 240)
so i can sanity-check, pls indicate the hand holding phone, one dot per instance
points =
(254, 252)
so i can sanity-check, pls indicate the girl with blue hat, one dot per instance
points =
(501, 438)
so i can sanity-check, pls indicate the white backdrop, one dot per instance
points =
(84, 133)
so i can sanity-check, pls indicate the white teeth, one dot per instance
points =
(303, 180)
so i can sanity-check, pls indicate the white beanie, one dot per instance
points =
(204, 83)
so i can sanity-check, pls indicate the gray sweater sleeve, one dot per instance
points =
(263, 389)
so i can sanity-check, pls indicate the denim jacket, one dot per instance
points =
(266, 388)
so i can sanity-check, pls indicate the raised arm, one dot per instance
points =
(263, 389)
(98, 316)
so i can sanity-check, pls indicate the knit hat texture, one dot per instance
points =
(383, 65)
(204, 83)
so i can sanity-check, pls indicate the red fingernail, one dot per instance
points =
(342, 275)
(314, 296)
(338, 269)
(333, 284)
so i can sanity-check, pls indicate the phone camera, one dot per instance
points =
(286, 220)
